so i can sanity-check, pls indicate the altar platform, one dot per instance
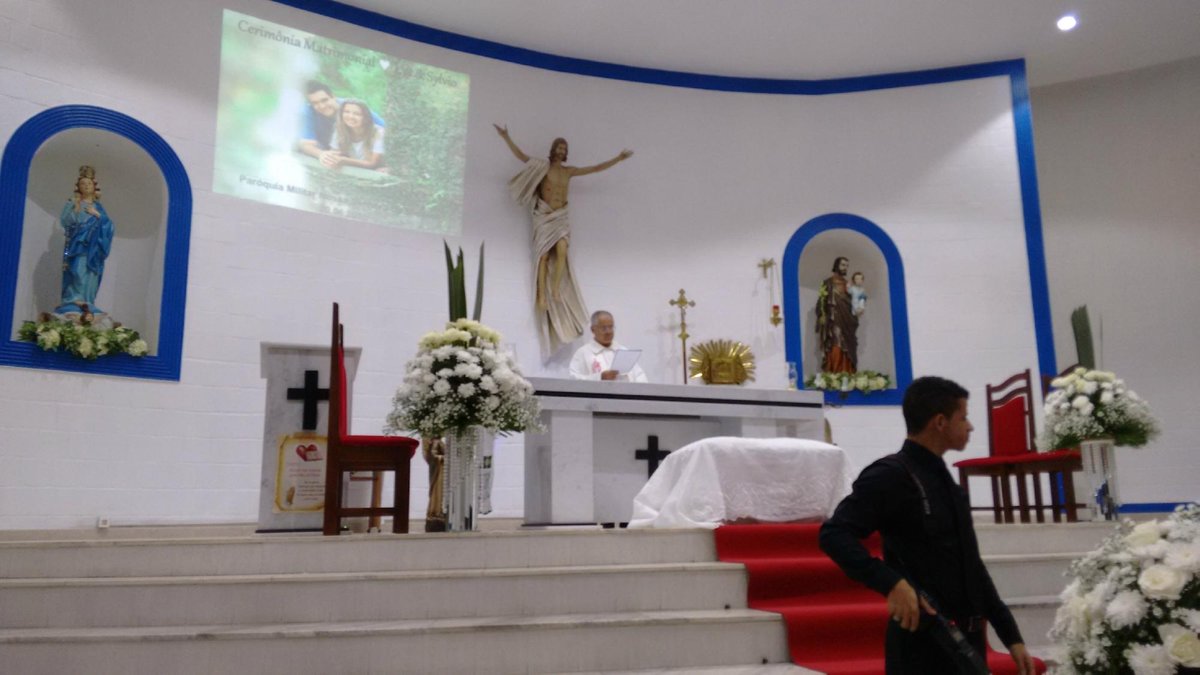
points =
(603, 440)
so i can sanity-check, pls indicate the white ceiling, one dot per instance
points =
(817, 39)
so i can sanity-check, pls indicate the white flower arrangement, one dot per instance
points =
(1133, 605)
(82, 340)
(1087, 404)
(459, 379)
(865, 381)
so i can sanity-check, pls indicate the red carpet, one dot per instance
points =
(835, 625)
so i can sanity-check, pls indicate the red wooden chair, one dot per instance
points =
(1012, 454)
(348, 453)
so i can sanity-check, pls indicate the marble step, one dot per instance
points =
(287, 554)
(1021, 575)
(193, 531)
(1076, 538)
(493, 645)
(368, 596)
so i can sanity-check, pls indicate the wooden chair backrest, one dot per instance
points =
(337, 382)
(1010, 417)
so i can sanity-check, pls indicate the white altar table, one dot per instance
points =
(724, 479)
(603, 438)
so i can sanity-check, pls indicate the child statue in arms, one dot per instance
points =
(858, 294)
(89, 234)
(542, 188)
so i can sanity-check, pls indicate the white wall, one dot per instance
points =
(1118, 162)
(719, 181)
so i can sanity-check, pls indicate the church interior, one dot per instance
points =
(764, 196)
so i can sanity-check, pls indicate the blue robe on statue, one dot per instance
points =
(89, 239)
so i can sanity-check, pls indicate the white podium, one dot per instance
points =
(292, 491)
(603, 438)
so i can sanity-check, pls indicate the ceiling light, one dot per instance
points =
(1067, 22)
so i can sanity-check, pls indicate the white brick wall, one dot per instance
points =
(718, 182)
(1118, 159)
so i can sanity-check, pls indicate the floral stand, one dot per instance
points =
(466, 490)
(461, 387)
(1100, 468)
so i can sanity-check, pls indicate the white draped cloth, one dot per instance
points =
(722, 479)
(565, 316)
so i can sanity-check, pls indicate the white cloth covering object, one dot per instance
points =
(722, 479)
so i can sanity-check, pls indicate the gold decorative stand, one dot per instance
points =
(683, 303)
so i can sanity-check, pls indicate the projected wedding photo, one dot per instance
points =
(327, 127)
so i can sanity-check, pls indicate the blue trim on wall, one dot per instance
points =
(613, 71)
(1039, 286)
(1013, 69)
(1151, 507)
(14, 179)
(792, 311)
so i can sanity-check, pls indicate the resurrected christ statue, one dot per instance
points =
(542, 187)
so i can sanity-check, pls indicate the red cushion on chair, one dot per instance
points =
(985, 461)
(382, 442)
(1027, 458)
(1009, 433)
(1053, 456)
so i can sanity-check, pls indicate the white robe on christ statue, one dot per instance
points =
(565, 315)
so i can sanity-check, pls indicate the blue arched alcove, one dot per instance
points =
(793, 311)
(164, 363)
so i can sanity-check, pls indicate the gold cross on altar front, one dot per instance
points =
(683, 303)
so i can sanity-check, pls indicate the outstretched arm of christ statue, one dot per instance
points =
(503, 131)
(585, 170)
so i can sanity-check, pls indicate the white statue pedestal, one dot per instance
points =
(600, 438)
(292, 491)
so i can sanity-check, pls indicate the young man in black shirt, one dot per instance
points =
(929, 540)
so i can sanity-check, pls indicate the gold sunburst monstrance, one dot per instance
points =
(722, 362)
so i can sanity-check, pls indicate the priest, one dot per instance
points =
(593, 361)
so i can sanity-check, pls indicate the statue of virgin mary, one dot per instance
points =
(89, 234)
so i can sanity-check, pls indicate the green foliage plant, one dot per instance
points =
(457, 282)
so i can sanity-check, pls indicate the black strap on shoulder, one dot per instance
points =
(907, 463)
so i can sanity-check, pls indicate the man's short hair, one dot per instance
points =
(313, 86)
(599, 313)
(928, 397)
(837, 261)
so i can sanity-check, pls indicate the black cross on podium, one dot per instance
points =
(651, 454)
(310, 394)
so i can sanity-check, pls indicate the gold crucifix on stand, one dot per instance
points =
(683, 303)
(767, 265)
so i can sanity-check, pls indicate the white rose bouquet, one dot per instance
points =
(865, 381)
(1133, 605)
(459, 379)
(85, 341)
(1088, 404)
